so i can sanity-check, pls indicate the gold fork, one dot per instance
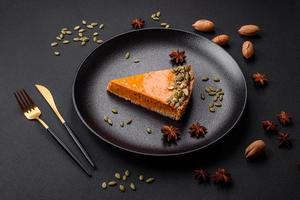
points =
(32, 112)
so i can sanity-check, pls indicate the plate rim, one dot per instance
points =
(157, 154)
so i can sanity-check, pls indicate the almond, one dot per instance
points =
(247, 49)
(221, 39)
(249, 30)
(255, 149)
(204, 25)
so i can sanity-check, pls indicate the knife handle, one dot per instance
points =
(79, 145)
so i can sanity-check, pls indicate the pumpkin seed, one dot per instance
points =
(95, 34)
(212, 89)
(85, 39)
(148, 130)
(212, 93)
(163, 24)
(83, 43)
(101, 26)
(95, 39)
(155, 18)
(122, 188)
(76, 28)
(150, 180)
(185, 91)
(202, 96)
(76, 39)
(109, 122)
(132, 186)
(112, 183)
(212, 109)
(58, 38)
(205, 78)
(171, 87)
(219, 90)
(141, 177)
(105, 118)
(215, 98)
(207, 90)
(99, 41)
(157, 14)
(129, 121)
(221, 97)
(118, 175)
(104, 185)
(66, 42)
(89, 26)
(54, 44)
(81, 30)
(115, 111)
(83, 22)
(216, 79)
(94, 24)
(124, 178)
(167, 26)
(127, 173)
(56, 53)
(68, 32)
(122, 124)
(127, 55)
(61, 36)
(80, 34)
(218, 104)
(136, 61)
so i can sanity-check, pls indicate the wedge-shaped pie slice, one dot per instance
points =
(165, 91)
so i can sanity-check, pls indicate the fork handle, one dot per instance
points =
(79, 145)
(66, 148)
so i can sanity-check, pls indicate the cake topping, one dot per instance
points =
(138, 23)
(177, 56)
(180, 86)
(197, 130)
(284, 118)
(170, 132)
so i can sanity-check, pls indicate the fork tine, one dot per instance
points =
(20, 102)
(29, 99)
(25, 101)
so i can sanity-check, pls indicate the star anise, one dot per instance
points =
(284, 118)
(269, 125)
(284, 139)
(177, 56)
(259, 78)
(138, 23)
(202, 175)
(170, 132)
(197, 130)
(221, 176)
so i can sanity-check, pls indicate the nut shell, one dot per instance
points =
(249, 30)
(204, 25)
(247, 49)
(255, 149)
(221, 39)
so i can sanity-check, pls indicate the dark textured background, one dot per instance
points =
(33, 166)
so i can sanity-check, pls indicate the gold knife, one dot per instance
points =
(50, 100)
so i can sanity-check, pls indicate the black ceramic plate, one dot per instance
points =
(152, 48)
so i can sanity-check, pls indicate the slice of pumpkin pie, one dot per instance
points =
(165, 91)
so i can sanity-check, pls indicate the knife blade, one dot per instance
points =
(50, 100)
